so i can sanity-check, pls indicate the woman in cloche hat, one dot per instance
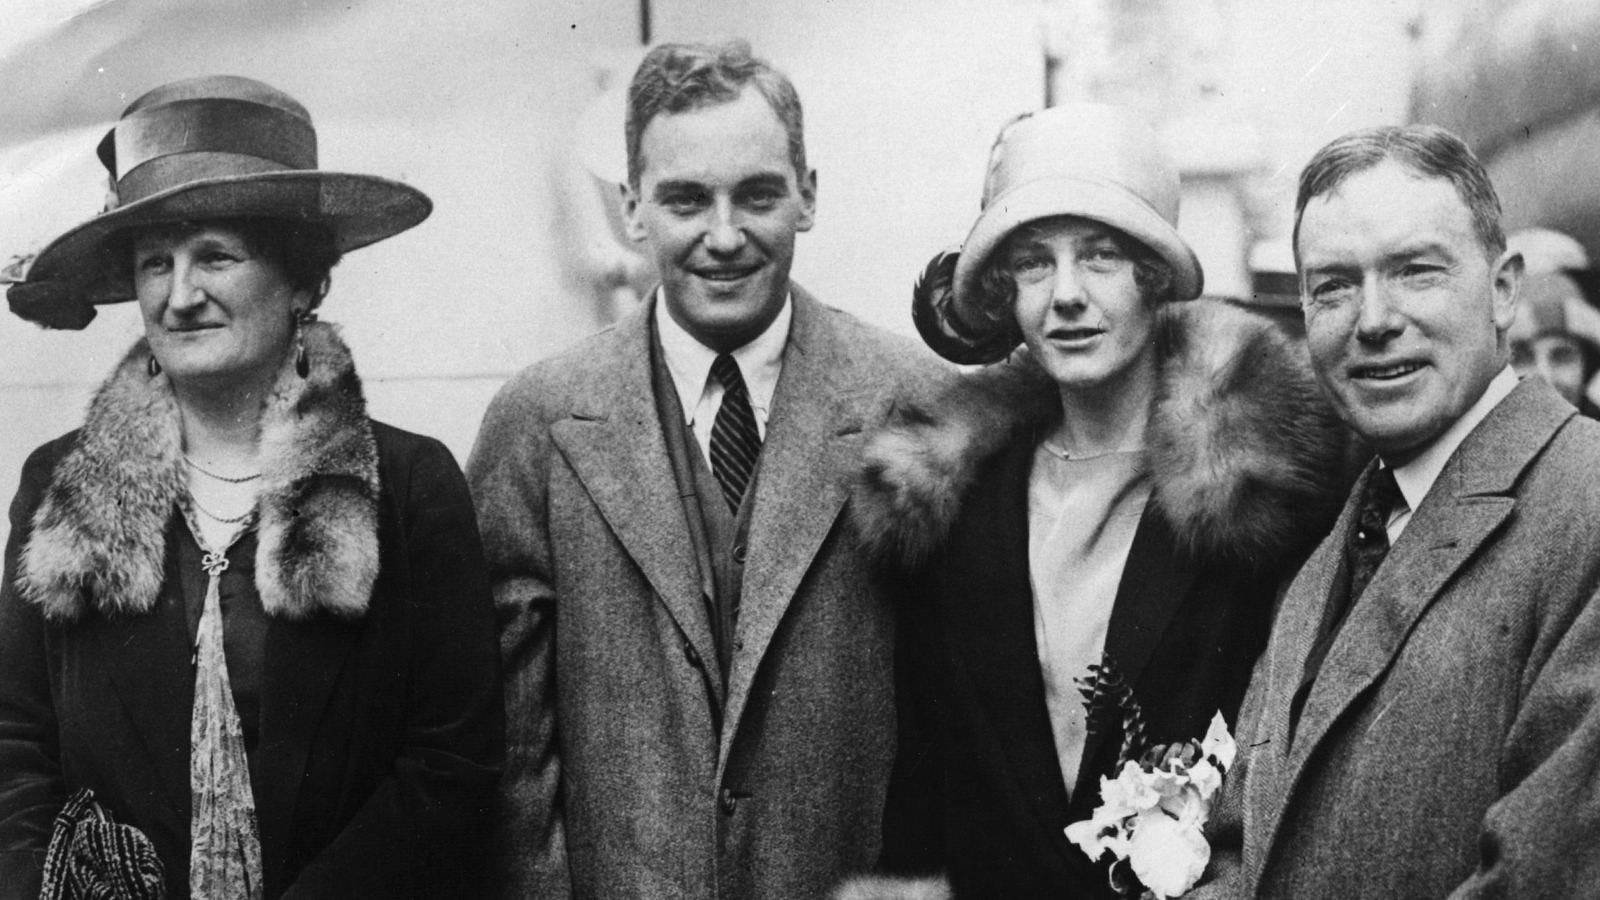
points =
(1105, 512)
(253, 622)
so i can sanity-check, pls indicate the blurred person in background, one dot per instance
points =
(250, 622)
(1111, 506)
(699, 668)
(1556, 334)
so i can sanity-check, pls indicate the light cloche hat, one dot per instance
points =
(1091, 160)
(214, 147)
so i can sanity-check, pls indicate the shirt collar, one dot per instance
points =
(689, 361)
(1416, 477)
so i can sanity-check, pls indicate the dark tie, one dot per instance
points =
(1365, 546)
(1368, 543)
(735, 442)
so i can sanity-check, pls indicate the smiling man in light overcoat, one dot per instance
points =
(1424, 722)
(699, 666)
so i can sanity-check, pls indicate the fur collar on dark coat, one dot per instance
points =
(1248, 462)
(99, 534)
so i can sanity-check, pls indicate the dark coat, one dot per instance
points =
(381, 722)
(1246, 465)
(633, 772)
(1449, 745)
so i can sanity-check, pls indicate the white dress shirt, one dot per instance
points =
(1416, 477)
(689, 361)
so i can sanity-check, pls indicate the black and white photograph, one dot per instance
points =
(775, 449)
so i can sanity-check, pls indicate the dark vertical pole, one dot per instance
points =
(644, 22)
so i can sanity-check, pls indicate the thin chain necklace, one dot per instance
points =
(219, 519)
(207, 472)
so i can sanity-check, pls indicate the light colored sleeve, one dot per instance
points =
(508, 474)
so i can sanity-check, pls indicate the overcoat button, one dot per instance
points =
(693, 656)
(730, 803)
(739, 553)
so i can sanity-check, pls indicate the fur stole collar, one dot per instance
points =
(99, 534)
(1248, 462)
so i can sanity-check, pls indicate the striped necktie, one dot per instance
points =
(735, 442)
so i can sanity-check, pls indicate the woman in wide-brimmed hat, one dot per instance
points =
(252, 621)
(1123, 493)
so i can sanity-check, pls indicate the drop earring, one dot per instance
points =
(153, 366)
(302, 365)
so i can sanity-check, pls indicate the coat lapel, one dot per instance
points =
(992, 634)
(1155, 581)
(1293, 634)
(617, 449)
(302, 663)
(147, 656)
(813, 440)
(1472, 497)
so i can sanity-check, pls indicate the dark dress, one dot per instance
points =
(379, 738)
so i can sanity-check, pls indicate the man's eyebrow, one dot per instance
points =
(1332, 268)
(1398, 255)
(1412, 251)
(678, 186)
(766, 180)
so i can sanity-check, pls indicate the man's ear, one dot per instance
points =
(632, 218)
(1507, 280)
(808, 200)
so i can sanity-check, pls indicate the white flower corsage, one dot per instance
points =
(1152, 815)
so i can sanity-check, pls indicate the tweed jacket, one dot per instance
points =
(1451, 742)
(1247, 469)
(381, 730)
(633, 773)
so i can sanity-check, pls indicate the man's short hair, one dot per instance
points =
(1428, 151)
(675, 78)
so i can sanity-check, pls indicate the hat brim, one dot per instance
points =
(358, 209)
(1101, 201)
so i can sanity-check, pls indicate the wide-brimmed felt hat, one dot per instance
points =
(214, 147)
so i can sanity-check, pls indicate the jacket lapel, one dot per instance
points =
(617, 449)
(813, 439)
(147, 656)
(302, 663)
(1155, 582)
(1472, 497)
(1293, 634)
(992, 634)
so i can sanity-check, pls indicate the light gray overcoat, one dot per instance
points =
(1450, 745)
(630, 773)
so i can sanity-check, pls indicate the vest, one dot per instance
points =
(719, 535)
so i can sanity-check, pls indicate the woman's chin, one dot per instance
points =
(1081, 374)
(221, 372)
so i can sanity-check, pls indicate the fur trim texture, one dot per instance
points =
(1248, 461)
(879, 887)
(99, 534)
